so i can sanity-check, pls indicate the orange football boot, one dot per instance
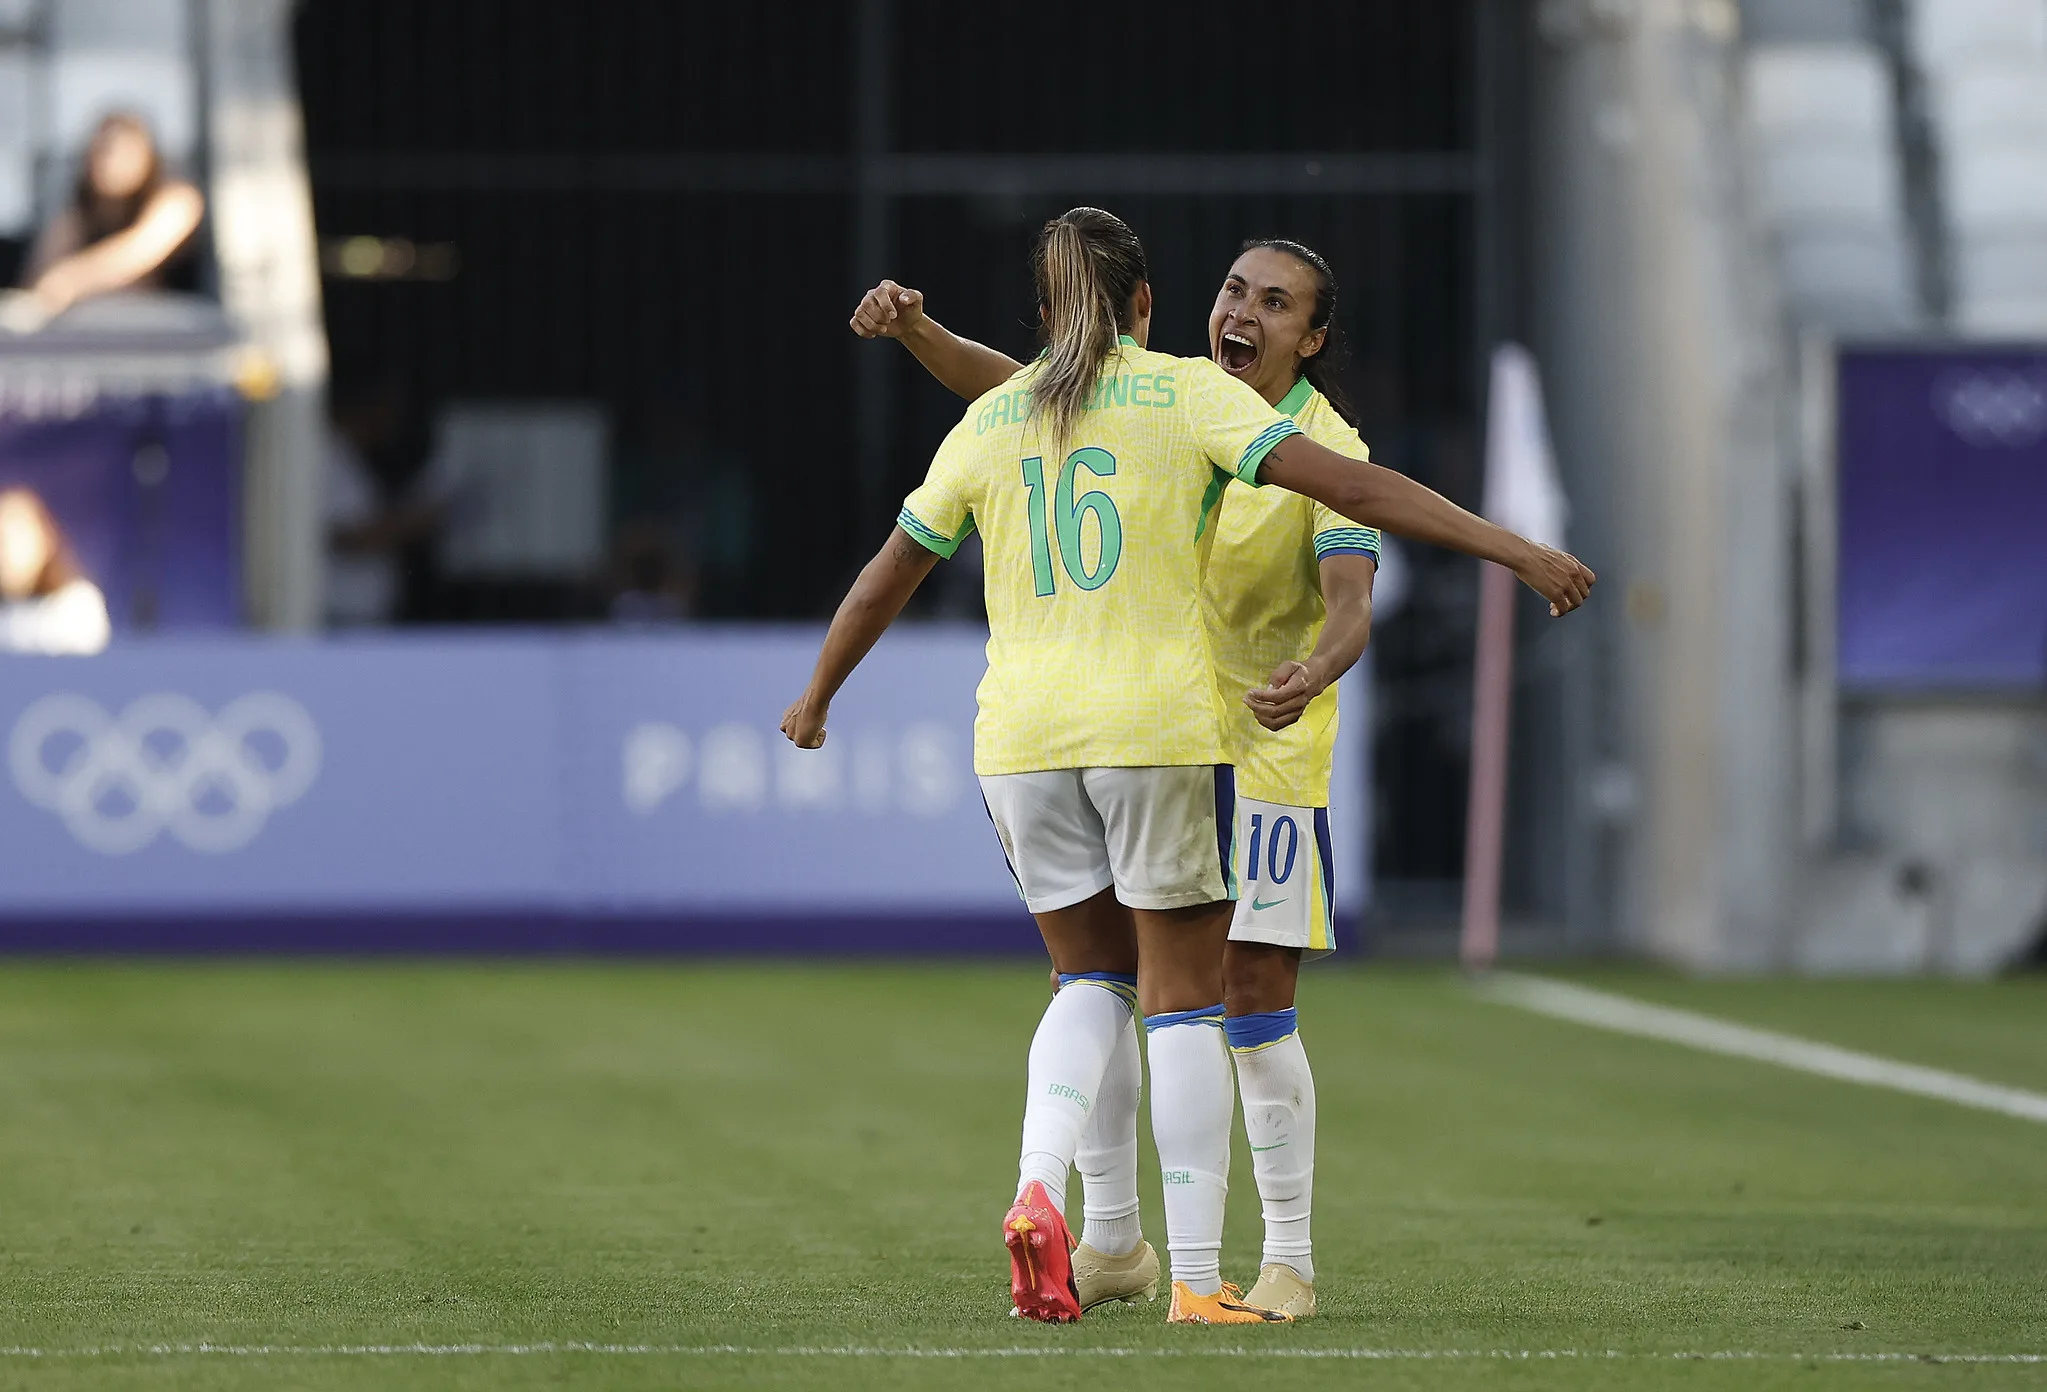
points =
(1226, 1306)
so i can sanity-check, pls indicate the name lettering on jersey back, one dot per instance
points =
(1153, 389)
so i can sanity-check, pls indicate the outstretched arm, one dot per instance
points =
(167, 222)
(873, 603)
(963, 367)
(1373, 496)
(1347, 596)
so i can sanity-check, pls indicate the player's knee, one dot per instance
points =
(1259, 978)
(1175, 992)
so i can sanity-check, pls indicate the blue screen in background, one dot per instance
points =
(1943, 520)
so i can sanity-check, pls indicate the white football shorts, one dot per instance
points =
(1279, 859)
(1158, 836)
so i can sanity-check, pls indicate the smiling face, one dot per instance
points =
(1260, 331)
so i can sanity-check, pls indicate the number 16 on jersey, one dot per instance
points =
(1068, 514)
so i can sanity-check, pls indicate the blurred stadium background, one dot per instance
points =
(515, 335)
(467, 492)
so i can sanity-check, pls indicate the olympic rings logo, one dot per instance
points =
(164, 765)
(1989, 408)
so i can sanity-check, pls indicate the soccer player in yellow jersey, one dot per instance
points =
(1280, 560)
(1092, 476)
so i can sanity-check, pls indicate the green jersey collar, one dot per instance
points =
(1293, 401)
(1126, 338)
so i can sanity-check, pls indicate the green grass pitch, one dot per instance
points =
(800, 1163)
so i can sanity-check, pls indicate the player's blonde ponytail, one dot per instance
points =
(1088, 265)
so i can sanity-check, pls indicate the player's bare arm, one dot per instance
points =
(877, 597)
(962, 366)
(1374, 496)
(1347, 596)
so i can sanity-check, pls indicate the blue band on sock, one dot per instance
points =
(1119, 978)
(1256, 1031)
(1123, 984)
(1207, 1015)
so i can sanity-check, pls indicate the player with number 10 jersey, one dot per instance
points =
(1093, 476)
(1288, 596)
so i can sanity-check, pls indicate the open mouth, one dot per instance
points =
(1236, 353)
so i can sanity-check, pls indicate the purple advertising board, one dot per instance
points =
(500, 793)
(147, 490)
(512, 792)
(686, 791)
(1943, 519)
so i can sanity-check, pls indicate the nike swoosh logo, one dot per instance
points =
(1257, 903)
(1258, 1148)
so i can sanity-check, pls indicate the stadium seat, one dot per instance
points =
(1852, 280)
(1999, 98)
(1985, 66)
(1995, 185)
(1827, 182)
(2001, 283)
(17, 145)
(1946, 31)
(1839, 88)
(120, 24)
(1851, 183)
(1804, 21)
(2002, 317)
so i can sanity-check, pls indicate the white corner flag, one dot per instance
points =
(1521, 494)
(1521, 489)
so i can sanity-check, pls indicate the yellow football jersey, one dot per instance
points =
(1265, 606)
(1094, 552)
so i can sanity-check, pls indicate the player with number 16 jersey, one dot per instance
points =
(1093, 476)
(1096, 652)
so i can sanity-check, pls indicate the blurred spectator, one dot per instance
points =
(671, 466)
(128, 226)
(46, 603)
(652, 584)
(366, 535)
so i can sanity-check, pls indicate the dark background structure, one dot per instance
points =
(669, 208)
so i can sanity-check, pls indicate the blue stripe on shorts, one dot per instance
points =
(1226, 825)
(1328, 871)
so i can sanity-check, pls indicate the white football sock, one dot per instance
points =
(1192, 1096)
(1107, 1158)
(1069, 1054)
(1279, 1114)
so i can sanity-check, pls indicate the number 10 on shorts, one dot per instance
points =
(1286, 833)
(1283, 885)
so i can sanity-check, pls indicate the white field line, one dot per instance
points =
(1604, 1010)
(1387, 1355)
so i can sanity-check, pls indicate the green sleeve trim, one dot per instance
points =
(1254, 453)
(1217, 482)
(1291, 404)
(930, 538)
(1348, 541)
